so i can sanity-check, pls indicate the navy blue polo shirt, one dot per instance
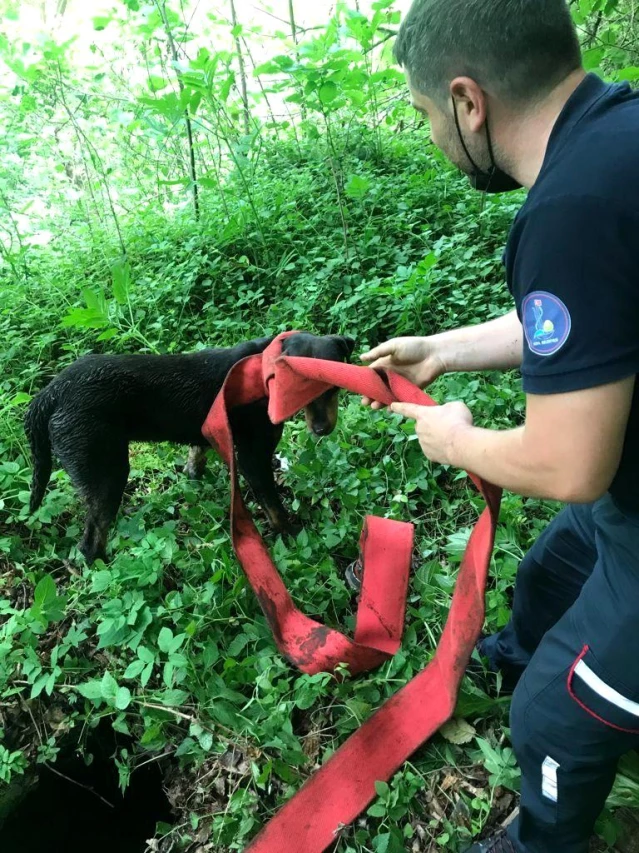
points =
(572, 258)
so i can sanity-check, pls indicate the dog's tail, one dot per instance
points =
(36, 425)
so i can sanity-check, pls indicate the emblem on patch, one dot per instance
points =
(546, 323)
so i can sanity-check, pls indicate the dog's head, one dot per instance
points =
(321, 414)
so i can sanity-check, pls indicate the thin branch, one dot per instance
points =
(187, 118)
(240, 57)
(79, 785)
(95, 157)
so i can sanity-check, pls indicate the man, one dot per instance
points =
(509, 103)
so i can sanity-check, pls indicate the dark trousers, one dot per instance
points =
(573, 642)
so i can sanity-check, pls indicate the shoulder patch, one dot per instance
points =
(546, 322)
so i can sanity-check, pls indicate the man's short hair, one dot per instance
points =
(518, 50)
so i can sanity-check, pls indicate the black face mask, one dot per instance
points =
(494, 180)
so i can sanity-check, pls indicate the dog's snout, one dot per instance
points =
(322, 429)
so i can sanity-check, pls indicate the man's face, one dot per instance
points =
(444, 135)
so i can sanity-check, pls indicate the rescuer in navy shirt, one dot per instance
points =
(510, 104)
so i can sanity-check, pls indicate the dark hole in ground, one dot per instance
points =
(59, 817)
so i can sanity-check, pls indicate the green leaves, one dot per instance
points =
(156, 83)
(169, 644)
(47, 606)
(101, 22)
(91, 690)
(142, 667)
(122, 698)
(327, 92)
(106, 690)
(94, 316)
(357, 186)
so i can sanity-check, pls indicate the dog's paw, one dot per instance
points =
(196, 463)
(292, 528)
(193, 471)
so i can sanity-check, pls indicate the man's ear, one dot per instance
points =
(471, 103)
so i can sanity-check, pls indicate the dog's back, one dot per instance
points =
(137, 397)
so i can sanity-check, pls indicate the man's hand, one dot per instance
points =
(438, 428)
(417, 359)
(568, 450)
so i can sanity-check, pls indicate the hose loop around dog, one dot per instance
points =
(345, 785)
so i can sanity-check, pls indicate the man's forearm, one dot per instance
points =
(499, 457)
(495, 345)
(508, 458)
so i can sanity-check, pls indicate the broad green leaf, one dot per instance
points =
(39, 685)
(631, 73)
(45, 591)
(101, 580)
(357, 186)
(155, 83)
(381, 842)
(123, 698)
(225, 89)
(327, 92)
(176, 642)
(109, 687)
(173, 698)
(165, 639)
(21, 398)
(108, 335)
(91, 690)
(146, 655)
(237, 644)
(134, 669)
(120, 276)
(382, 789)
(592, 58)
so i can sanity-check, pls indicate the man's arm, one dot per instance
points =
(495, 345)
(568, 450)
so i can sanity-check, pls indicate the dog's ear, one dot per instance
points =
(346, 344)
(290, 344)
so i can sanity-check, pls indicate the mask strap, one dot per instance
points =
(467, 152)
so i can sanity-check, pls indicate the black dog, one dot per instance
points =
(90, 412)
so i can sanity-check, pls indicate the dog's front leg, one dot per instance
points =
(257, 470)
(255, 439)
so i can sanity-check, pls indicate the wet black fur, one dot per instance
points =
(90, 412)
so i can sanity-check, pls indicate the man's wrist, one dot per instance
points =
(445, 350)
(459, 440)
